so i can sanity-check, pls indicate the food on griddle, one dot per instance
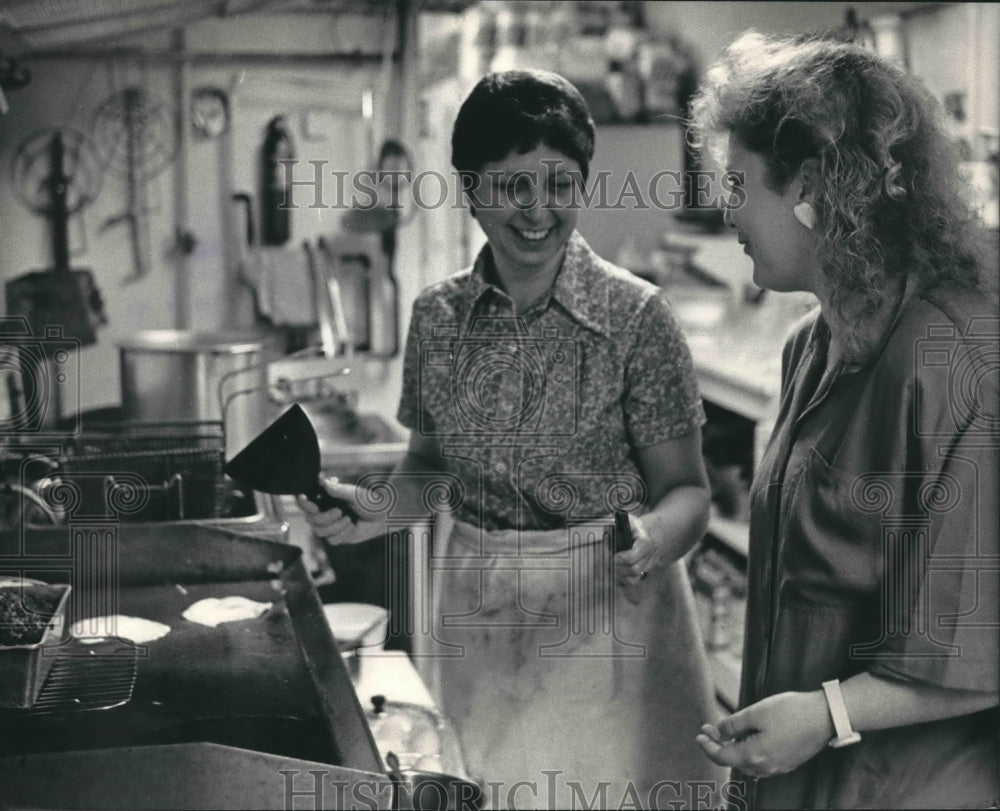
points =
(25, 612)
(213, 611)
(135, 629)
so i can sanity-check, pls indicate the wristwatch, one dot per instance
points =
(846, 735)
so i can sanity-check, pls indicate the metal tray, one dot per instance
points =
(23, 668)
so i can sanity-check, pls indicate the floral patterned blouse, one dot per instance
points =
(538, 415)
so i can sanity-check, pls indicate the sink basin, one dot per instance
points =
(327, 389)
(353, 444)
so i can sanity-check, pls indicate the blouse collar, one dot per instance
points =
(580, 287)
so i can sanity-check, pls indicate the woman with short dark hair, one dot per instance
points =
(549, 388)
(514, 111)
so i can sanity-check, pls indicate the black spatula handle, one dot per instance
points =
(623, 532)
(322, 499)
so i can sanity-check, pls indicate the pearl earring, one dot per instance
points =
(805, 214)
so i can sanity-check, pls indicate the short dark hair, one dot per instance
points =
(516, 110)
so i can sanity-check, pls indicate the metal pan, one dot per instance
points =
(416, 790)
(23, 668)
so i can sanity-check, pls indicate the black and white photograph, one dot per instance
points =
(471, 405)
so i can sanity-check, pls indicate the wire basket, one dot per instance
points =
(129, 436)
(166, 471)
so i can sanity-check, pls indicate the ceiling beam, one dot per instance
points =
(99, 29)
(207, 58)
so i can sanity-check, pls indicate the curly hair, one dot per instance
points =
(516, 110)
(891, 203)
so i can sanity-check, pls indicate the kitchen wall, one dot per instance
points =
(935, 33)
(67, 94)
(202, 290)
(952, 47)
(630, 233)
(709, 27)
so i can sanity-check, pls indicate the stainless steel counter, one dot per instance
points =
(736, 336)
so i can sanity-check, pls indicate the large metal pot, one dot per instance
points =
(181, 375)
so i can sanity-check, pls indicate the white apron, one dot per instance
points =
(552, 677)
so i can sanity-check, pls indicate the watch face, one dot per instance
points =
(209, 111)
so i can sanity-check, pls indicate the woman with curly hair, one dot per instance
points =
(870, 676)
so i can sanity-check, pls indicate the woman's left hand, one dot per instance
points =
(639, 563)
(771, 737)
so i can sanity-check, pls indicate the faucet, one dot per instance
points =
(304, 379)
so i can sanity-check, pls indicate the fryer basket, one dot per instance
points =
(162, 471)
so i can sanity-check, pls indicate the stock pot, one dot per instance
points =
(170, 375)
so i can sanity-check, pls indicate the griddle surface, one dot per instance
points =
(244, 684)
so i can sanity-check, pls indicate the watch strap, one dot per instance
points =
(846, 734)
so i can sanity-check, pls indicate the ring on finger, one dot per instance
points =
(642, 575)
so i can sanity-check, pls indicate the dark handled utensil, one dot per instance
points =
(623, 532)
(285, 460)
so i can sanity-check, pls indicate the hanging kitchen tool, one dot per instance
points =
(276, 191)
(136, 135)
(210, 112)
(56, 173)
(384, 218)
(12, 76)
(330, 267)
(326, 312)
(248, 262)
(394, 161)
